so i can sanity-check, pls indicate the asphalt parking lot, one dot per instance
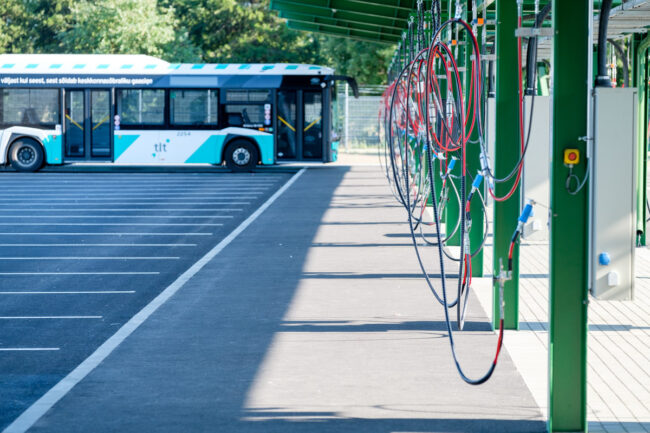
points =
(81, 253)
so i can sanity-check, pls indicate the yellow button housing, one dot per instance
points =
(571, 156)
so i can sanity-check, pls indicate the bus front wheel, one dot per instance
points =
(26, 154)
(241, 155)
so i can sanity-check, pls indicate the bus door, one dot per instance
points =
(287, 124)
(100, 123)
(312, 125)
(88, 124)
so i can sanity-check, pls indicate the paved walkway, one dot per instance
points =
(618, 376)
(314, 319)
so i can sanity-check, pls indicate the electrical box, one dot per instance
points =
(535, 183)
(491, 123)
(613, 194)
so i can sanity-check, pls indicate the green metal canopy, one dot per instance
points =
(383, 21)
(374, 20)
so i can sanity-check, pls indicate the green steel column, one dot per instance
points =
(438, 166)
(453, 206)
(473, 152)
(452, 209)
(506, 155)
(568, 295)
(641, 75)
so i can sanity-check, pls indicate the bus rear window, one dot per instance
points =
(30, 107)
(141, 107)
(194, 107)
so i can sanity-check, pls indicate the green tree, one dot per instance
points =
(243, 32)
(365, 61)
(28, 26)
(49, 19)
(14, 33)
(127, 27)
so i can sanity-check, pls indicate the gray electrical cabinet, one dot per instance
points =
(613, 194)
(537, 167)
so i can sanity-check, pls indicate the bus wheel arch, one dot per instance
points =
(26, 153)
(241, 154)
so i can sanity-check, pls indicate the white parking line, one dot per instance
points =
(97, 245)
(162, 209)
(47, 317)
(28, 418)
(161, 199)
(79, 292)
(160, 204)
(110, 224)
(103, 188)
(105, 234)
(144, 185)
(79, 273)
(116, 216)
(120, 194)
(27, 349)
(216, 200)
(130, 180)
(131, 177)
(88, 258)
(148, 184)
(130, 198)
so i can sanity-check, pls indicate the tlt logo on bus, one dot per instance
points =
(160, 148)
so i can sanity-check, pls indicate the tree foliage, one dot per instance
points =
(13, 34)
(220, 31)
(366, 61)
(127, 27)
(229, 31)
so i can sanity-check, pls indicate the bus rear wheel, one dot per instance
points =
(241, 155)
(26, 154)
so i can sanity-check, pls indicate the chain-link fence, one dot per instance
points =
(358, 119)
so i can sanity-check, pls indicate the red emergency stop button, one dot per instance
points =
(571, 156)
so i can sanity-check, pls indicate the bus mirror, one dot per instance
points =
(351, 81)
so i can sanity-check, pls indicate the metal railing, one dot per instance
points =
(359, 118)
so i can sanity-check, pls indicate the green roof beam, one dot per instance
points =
(352, 34)
(345, 30)
(407, 5)
(343, 5)
(341, 22)
(291, 16)
(288, 6)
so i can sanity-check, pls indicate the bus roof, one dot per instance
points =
(128, 64)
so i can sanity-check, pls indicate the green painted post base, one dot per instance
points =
(473, 151)
(506, 156)
(568, 291)
(641, 55)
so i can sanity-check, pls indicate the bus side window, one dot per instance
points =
(247, 108)
(194, 107)
(141, 106)
(30, 107)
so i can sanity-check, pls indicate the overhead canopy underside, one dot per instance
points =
(383, 21)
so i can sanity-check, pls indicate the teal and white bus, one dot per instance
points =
(135, 109)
